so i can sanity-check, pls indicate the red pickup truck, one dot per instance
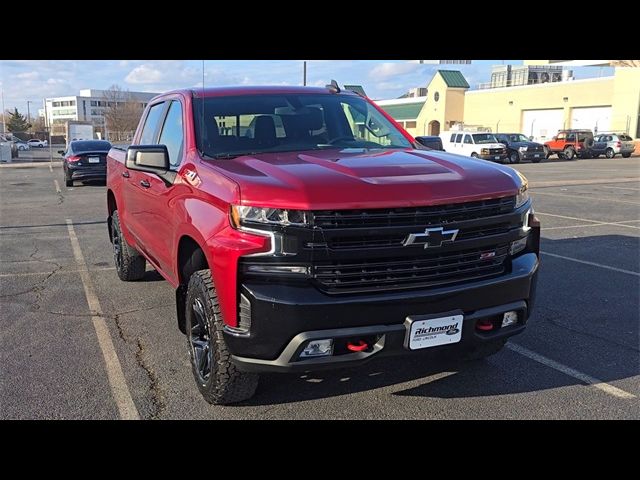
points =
(302, 228)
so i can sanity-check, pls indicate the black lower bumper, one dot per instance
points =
(286, 317)
(87, 173)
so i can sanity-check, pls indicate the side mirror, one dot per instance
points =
(150, 159)
(554, 138)
(61, 152)
(531, 138)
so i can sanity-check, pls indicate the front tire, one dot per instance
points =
(218, 379)
(474, 155)
(514, 157)
(130, 265)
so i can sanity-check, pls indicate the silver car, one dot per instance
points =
(612, 144)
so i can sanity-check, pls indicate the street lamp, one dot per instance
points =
(28, 112)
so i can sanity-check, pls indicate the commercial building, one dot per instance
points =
(90, 106)
(610, 103)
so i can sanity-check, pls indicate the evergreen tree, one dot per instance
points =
(17, 122)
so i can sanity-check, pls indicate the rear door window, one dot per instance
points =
(458, 138)
(467, 139)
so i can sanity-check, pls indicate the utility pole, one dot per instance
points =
(28, 112)
(4, 118)
(304, 73)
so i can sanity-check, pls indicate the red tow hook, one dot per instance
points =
(484, 325)
(357, 347)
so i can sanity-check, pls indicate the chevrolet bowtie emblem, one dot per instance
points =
(432, 237)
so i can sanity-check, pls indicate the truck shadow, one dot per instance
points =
(581, 311)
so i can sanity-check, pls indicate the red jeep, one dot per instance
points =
(301, 229)
(569, 143)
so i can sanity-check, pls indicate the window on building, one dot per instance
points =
(151, 124)
(56, 104)
(172, 135)
(411, 124)
(94, 103)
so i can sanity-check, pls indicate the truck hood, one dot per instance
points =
(524, 144)
(358, 178)
(490, 145)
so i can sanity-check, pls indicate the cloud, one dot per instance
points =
(28, 75)
(389, 69)
(55, 81)
(144, 74)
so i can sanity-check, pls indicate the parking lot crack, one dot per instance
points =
(157, 397)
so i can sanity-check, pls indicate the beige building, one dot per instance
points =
(441, 107)
(538, 110)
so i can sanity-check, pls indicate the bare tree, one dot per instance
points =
(122, 113)
(625, 63)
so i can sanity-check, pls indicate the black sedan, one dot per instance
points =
(85, 160)
(520, 147)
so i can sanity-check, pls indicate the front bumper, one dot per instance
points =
(531, 155)
(493, 157)
(286, 317)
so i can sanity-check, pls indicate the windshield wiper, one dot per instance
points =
(231, 156)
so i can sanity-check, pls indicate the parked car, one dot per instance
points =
(21, 145)
(474, 144)
(569, 143)
(321, 238)
(612, 144)
(520, 147)
(431, 142)
(34, 142)
(85, 160)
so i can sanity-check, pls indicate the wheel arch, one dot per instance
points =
(191, 257)
(112, 206)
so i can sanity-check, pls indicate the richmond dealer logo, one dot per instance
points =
(447, 329)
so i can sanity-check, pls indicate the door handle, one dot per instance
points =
(125, 174)
(144, 184)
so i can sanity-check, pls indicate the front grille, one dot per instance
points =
(496, 151)
(425, 271)
(537, 148)
(420, 216)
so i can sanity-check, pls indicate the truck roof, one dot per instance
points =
(254, 90)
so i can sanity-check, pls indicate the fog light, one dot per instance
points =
(510, 318)
(518, 246)
(318, 348)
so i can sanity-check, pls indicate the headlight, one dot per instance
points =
(484, 151)
(243, 215)
(522, 149)
(523, 191)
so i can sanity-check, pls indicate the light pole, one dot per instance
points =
(4, 118)
(532, 122)
(28, 113)
(304, 73)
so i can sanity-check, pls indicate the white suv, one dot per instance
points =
(483, 145)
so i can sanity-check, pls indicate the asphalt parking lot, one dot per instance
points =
(578, 359)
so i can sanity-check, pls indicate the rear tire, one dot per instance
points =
(536, 160)
(485, 350)
(609, 153)
(569, 153)
(547, 152)
(218, 379)
(626, 155)
(130, 265)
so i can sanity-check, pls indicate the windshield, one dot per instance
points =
(252, 124)
(518, 137)
(484, 138)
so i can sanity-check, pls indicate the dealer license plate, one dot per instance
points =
(497, 157)
(94, 159)
(434, 331)
(536, 156)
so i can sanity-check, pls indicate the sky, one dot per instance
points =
(33, 80)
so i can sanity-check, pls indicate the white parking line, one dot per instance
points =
(593, 264)
(583, 377)
(622, 188)
(597, 222)
(119, 389)
(583, 197)
(50, 167)
(57, 185)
